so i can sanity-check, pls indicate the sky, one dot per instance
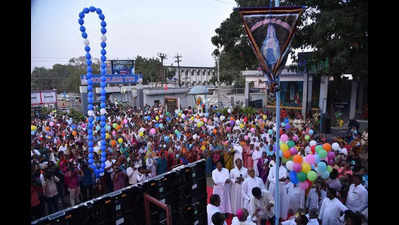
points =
(134, 27)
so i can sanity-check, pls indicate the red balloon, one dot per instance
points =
(313, 148)
(309, 183)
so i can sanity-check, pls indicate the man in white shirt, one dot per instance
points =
(213, 207)
(237, 175)
(331, 209)
(237, 152)
(131, 172)
(249, 183)
(222, 187)
(261, 206)
(357, 199)
(296, 198)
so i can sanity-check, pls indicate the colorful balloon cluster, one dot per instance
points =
(90, 94)
(305, 170)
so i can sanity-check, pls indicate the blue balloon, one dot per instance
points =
(81, 16)
(325, 174)
(103, 66)
(103, 58)
(103, 44)
(103, 159)
(103, 52)
(89, 88)
(99, 11)
(102, 84)
(103, 147)
(161, 126)
(90, 144)
(206, 114)
(32, 132)
(81, 21)
(92, 9)
(322, 166)
(157, 125)
(84, 35)
(103, 129)
(293, 177)
(166, 139)
(103, 24)
(83, 29)
(90, 136)
(102, 124)
(88, 56)
(86, 10)
(101, 16)
(89, 62)
(270, 131)
(103, 117)
(103, 154)
(89, 69)
(90, 161)
(102, 105)
(92, 166)
(316, 158)
(311, 132)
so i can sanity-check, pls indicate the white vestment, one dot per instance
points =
(312, 201)
(222, 189)
(235, 221)
(330, 211)
(236, 189)
(210, 210)
(237, 154)
(296, 198)
(256, 155)
(284, 200)
(247, 186)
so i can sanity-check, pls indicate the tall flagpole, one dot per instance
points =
(277, 199)
(277, 152)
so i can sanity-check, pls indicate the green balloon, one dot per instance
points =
(307, 137)
(318, 148)
(329, 168)
(301, 176)
(312, 176)
(290, 144)
(283, 124)
(323, 154)
(284, 160)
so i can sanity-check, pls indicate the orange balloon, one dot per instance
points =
(47, 128)
(214, 131)
(286, 154)
(327, 147)
(74, 133)
(113, 143)
(297, 159)
(118, 127)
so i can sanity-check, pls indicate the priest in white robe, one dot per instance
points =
(256, 155)
(237, 176)
(237, 153)
(249, 183)
(222, 187)
(283, 176)
(296, 197)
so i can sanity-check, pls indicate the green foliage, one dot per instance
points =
(149, 67)
(76, 115)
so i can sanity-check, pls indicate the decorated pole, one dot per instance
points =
(90, 95)
(270, 32)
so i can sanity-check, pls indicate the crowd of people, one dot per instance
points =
(239, 154)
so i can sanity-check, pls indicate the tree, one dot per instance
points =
(149, 67)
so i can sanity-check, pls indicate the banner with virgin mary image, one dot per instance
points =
(270, 31)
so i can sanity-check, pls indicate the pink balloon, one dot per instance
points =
(297, 167)
(310, 159)
(252, 130)
(303, 185)
(228, 129)
(84, 125)
(51, 123)
(125, 121)
(284, 138)
(205, 120)
(246, 137)
(113, 133)
(152, 131)
(293, 151)
(295, 138)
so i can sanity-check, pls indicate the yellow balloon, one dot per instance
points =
(120, 140)
(241, 125)
(33, 128)
(157, 118)
(107, 136)
(284, 147)
(305, 167)
(203, 148)
(264, 117)
(141, 134)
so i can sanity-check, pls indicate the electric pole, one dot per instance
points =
(178, 66)
(162, 56)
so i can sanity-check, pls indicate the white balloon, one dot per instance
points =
(312, 143)
(86, 42)
(222, 118)
(308, 150)
(103, 111)
(103, 38)
(335, 146)
(290, 165)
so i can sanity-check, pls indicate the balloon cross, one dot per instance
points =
(90, 95)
